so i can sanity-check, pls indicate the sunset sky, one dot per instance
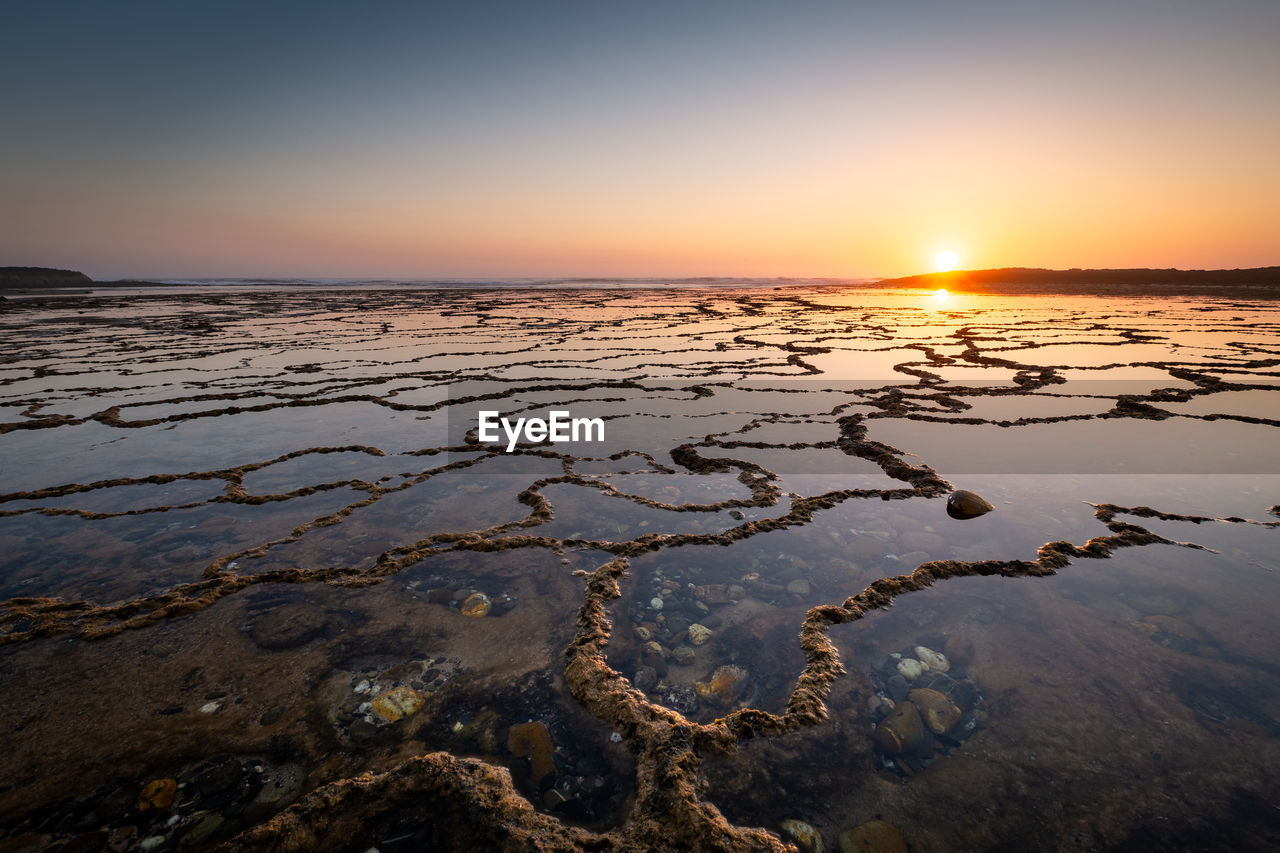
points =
(544, 138)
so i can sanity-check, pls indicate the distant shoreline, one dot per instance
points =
(1255, 283)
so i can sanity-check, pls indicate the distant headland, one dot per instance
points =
(1258, 282)
(39, 278)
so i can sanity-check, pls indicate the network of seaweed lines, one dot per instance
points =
(668, 809)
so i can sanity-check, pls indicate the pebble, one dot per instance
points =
(874, 836)
(932, 659)
(699, 634)
(804, 835)
(910, 668)
(901, 730)
(798, 587)
(959, 649)
(655, 603)
(477, 605)
(685, 655)
(157, 794)
(727, 683)
(939, 714)
(397, 703)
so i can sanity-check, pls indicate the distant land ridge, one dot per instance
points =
(41, 277)
(1258, 281)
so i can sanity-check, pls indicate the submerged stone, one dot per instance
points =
(532, 740)
(902, 730)
(932, 659)
(726, 685)
(157, 794)
(476, 605)
(963, 504)
(288, 626)
(798, 587)
(911, 669)
(874, 836)
(804, 835)
(397, 703)
(938, 712)
(699, 634)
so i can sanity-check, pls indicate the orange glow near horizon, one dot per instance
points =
(620, 151)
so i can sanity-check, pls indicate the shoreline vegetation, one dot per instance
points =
(1256, 282)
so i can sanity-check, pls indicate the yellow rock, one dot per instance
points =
(699, 634)
(874, 836)
(726, 685)
(804, 835)
(397, 703)
(477, 605)
(157, 794)
(936, 710)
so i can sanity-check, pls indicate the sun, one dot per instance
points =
(946, 261)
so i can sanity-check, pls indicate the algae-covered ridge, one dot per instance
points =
(151, 362)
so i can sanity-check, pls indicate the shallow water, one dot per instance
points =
(235, 526)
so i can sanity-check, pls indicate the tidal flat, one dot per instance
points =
(263, 588)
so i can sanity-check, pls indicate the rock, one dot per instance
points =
(901, 730)
(440, 595)
(646, 679)
(157, 794)
(962, 504)
(685, 655)
(726, 685)
(288, 626)
(910, 668)
(362, 729)
(798, 587)
(280, 787)
(397, 703)
(655, 603)
(476, 605)
(958, 649)
(202, 830)
(804, 835)
(679, 698)
(716, 593)
(643, 634)
(654, 655)
(218, 778)
(937, 711)
(874, 836)
(532, 740)
(699, 634)
(736, 514)
(932, 659)
(898, 688)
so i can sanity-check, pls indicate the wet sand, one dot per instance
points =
(264, 588)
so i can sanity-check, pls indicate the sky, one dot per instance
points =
(549, 139)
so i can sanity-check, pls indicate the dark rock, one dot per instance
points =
(288, 626)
